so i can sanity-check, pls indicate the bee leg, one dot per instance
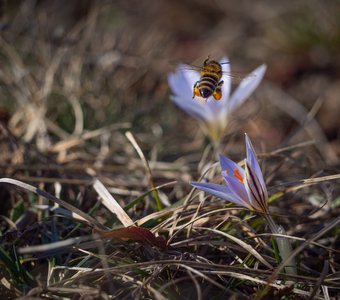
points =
(217, 94)
(196, 90)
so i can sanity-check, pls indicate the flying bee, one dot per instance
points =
(210, 83)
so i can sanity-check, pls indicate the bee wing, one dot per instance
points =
(190, 67)
(236, 76)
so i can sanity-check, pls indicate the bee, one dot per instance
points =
(210, 83)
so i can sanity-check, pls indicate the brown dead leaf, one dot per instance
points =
(135, 234)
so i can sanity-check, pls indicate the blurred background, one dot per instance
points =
(74, 75)
(112, 58)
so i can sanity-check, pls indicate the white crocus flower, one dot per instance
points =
(212, 115)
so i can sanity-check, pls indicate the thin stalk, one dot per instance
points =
(139, 151)
(284, 246)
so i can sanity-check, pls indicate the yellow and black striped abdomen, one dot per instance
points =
(207, 84)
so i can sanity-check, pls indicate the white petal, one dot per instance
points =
(192, 107)
(216, 108)
(191, 76)
(179, 84)
(226, 79)
(246, 87)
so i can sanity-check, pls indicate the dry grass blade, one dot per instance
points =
(201, 274)
(325, 292)
(197, 286)
(61, 211)
(292, 147)
(299, 239)
(76, 141)
(111, 204)
(297, 250)
(52, 246)
(310, 181)
(300, 184)
(155, 215)
(133, 142)
(91, 221)
(182, 227)
(323, 274)
(321, 179)
(244, 245)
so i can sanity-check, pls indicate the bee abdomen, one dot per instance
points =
(207, 84)
(210, 79)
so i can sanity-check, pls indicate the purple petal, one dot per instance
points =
(253, 162)
(238, 189)
(258, 196)
(218, 190)
(246, 87)
(229, 166)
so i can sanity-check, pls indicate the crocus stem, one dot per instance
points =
(216, 148)
(284, 246)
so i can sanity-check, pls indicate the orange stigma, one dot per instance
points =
(238, 175)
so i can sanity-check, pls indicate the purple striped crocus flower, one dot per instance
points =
(244, 187)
